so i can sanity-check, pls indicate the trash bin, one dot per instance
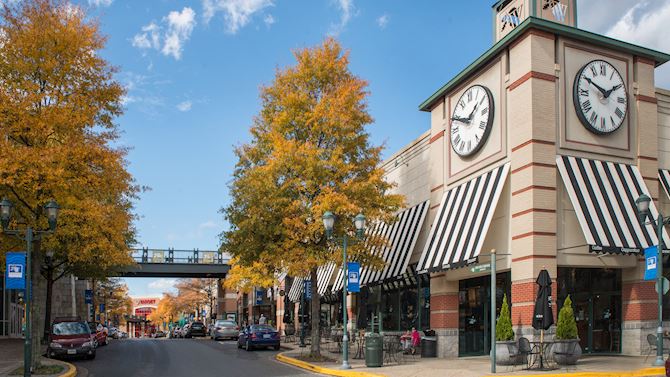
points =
(428, 346)
(373, 350)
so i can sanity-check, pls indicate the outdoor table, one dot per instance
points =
(542, 348)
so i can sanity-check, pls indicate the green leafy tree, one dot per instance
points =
(504, 330)
(309, 153)
(567, 326)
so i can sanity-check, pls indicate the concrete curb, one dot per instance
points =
(317, 369)
(646, 372)
(71, 370)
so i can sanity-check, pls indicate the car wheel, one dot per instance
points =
(90, 357)
(248, 346)
(276, 347)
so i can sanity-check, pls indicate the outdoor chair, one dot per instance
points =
(289, 334)
(651, 340)
(516, 356)
(526, 352)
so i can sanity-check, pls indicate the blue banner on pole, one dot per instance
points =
(259, 297)
(308, 289)
(102, 308)
(16, 271)
(651, 259)
(88, 296)
(353, 277)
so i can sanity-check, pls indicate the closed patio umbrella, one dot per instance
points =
(543, 317)
(362, 320)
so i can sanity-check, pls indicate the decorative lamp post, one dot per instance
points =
(28, 235)
(329, 224)
(642, 204)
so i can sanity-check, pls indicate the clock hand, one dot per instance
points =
(603, 91)
(462, 120)
(613, 89)
(473, 112)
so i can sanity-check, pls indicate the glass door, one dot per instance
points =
(606, 323)
(472, 314)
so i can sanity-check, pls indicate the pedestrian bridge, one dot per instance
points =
(195, 263)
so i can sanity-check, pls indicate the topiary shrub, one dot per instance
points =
(567, 326)
(504, 330)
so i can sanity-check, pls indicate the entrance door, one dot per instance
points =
(606, 323)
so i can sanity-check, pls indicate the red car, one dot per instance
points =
(70, 337)
(98, 331)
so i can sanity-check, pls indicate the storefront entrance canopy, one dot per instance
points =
(603, 194)
(462, 222)
(323, 276)
(402, 236)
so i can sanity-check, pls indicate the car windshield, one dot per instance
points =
(70, 328)
(225, 323)
(262, 328)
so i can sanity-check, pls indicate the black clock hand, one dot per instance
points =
(613, 89)
(603, 91)
(462, 120)
(473, 112)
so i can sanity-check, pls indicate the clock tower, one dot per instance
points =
(508, 14)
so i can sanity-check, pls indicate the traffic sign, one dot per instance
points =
(481, 268)
(666, 285)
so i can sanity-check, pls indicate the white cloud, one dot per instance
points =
(639, 22)
(348, 10)
(209, 225)
(177, 31)
(162, 284)
(236, 13)
(184, 106)
(269, 20)
(383, 20)
(100, 3)
(180, 27)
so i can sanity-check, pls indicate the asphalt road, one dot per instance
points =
(182, 358)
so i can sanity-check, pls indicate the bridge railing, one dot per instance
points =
(170, 256)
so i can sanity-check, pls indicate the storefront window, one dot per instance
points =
(390, 310)
(408, 309)
(424, 308)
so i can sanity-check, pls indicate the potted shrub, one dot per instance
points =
(504, 336)
(566, 349)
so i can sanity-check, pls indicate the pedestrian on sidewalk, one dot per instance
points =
(262, 320)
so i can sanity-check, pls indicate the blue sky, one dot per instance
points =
(193, 69)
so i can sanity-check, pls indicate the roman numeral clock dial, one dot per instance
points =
(471, 120)
(600, 99)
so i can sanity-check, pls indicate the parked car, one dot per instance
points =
(98, 331)
(184, 330)
(159, 334)
(196, 329)
(258, 336)
(71, 337)
(175, 332)
(224, 329)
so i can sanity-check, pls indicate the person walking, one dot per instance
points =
(262, 320)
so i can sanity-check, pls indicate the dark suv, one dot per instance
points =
(71, 337)
(196, 329)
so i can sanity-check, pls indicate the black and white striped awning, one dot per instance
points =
(462, 221)
(323, 275)
(409, 279)
(603, 194)
(402, 236)
(664, 177)
(296, 289)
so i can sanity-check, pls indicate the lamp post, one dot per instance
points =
(29, 235)
(329, 224)
(642, 204)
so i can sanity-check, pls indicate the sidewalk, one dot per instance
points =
(11, 358)
(481, 366)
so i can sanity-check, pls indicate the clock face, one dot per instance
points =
(600, 98)
(471, 120)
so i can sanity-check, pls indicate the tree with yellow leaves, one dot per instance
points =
(309, 153)
(58, 102)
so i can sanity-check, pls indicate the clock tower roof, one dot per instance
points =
(554, 28)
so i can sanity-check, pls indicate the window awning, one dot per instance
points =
(664, 177)
(402, 236)
(408, 279)
(462, 222)
(603, 195)
(323, 275)
(296, 289)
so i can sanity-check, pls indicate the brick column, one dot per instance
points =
(532, 122)
(444, 314)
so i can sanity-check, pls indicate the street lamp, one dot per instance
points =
(329, 224)
(642, 203)
(28, 235)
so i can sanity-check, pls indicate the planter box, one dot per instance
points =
(564, 346)
(503, 352)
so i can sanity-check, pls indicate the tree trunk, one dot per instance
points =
(315, 348)
(37, 311)
(47, 309)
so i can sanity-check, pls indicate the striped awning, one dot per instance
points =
(402, 236)
(664, 177)
(323, 275)
(603, 194)
(409, 279)
(296, 289)
(462, 222)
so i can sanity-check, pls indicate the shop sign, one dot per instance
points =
(16, 271)
(353, 277)
(259, 297)
(308, 289)
(481, 268)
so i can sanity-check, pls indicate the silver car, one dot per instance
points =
(224, 329)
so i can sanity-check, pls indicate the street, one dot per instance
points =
(182, 357)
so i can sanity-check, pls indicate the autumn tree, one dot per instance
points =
(195, 293)
(113, 293)
(309, 153)
(58, 103)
